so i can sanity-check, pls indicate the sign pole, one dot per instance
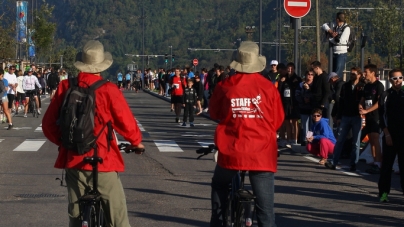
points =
(296, 22)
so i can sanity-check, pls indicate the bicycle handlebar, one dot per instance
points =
(124, 146)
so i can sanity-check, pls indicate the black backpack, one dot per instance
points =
(77, 117)
(351, 39)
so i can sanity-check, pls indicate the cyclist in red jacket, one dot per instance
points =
(78, 174)
(250, 112)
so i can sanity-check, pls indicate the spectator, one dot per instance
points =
(339, 37)
(321, 142)
(391, 111)
(199, 92)
(335, 89)
(273, 73)
(287, 87)
(348, 118)
(320, 89)
(369, 106)
(303, 97)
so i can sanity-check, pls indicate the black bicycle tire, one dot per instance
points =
(239, 217)
(101, 217)
(89, 215)
(229, 212)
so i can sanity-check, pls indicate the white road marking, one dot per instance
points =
(297, 4)
(167, 146)
(30, 145)
(140, 126)
(20, 128)
(337, 167)
(1, 140)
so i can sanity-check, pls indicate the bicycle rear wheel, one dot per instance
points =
(229, 212)
(89, 216)
(239, 220)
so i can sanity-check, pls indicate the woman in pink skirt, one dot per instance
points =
(321, 138)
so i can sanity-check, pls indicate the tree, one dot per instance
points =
(386, 22)
(44, 30)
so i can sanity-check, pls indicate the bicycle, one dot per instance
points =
(239, 200)
(91, 212)
(32, 104)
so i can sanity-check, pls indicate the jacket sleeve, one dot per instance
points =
(345, 36)
(341, 102)
(381, 109)
(122, 118)
(337, 98)
(183, 97)
(50, 126)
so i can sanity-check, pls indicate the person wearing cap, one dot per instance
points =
(249, 110)
(91, 62)
(335, 87)
(273, 74)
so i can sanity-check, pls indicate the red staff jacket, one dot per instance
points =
(250, 112)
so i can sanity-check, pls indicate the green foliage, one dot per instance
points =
(43, 36)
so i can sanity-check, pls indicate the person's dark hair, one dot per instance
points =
(372, 68)
(177, 68)
(317, 110)
(291, 64)
(358, 70)
(281, 66)
(316, 64)
(1, 71)
(341, 17)
(394, 71)
(308, 71)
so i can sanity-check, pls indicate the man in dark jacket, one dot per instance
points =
(53, 82)
(348, 118)
(335, 87)
(320, 88)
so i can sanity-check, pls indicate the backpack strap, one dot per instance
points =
(73, 82)
(97, 84)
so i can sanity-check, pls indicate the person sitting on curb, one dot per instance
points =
(321, 139)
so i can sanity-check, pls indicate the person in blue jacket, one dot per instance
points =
(321, 139)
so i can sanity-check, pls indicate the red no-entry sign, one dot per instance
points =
(297, 8)
(195, 62)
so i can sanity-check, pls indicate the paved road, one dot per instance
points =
(168, 187)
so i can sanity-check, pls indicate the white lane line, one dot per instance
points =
(140, 126)
(338, 168)
(1, 140)
(39, 129)
(297, 4)
(167, 146)
(30, 145)
(206, 143)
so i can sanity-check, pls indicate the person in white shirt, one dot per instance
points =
(12, 84)
(28, 85)
(20, 96)
(338, 37)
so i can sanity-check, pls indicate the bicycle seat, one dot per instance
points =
(245, 195)
(92, 160)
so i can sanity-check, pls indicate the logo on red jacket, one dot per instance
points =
(247, 107)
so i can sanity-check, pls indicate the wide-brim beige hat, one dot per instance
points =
(248, 59)
(93, 59)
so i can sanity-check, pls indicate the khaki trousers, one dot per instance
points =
(113, 197)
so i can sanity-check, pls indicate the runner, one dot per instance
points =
(28, 85)
(4, 99)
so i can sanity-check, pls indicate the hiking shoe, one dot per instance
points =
(191, 124)
(353, 168)
(329, 165)
(184, 124)
(374, 169)
(10, 127)
(39, 112)
(25, 115)
(384, 198)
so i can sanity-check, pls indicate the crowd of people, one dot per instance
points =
(17, 87)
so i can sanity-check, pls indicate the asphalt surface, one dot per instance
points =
(167, 186)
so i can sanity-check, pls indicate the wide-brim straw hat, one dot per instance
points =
(248, 59)
(93, 58)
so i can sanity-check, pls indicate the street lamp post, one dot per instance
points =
(249, 30)
(171, 54)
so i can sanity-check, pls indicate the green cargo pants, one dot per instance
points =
(113, 197)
